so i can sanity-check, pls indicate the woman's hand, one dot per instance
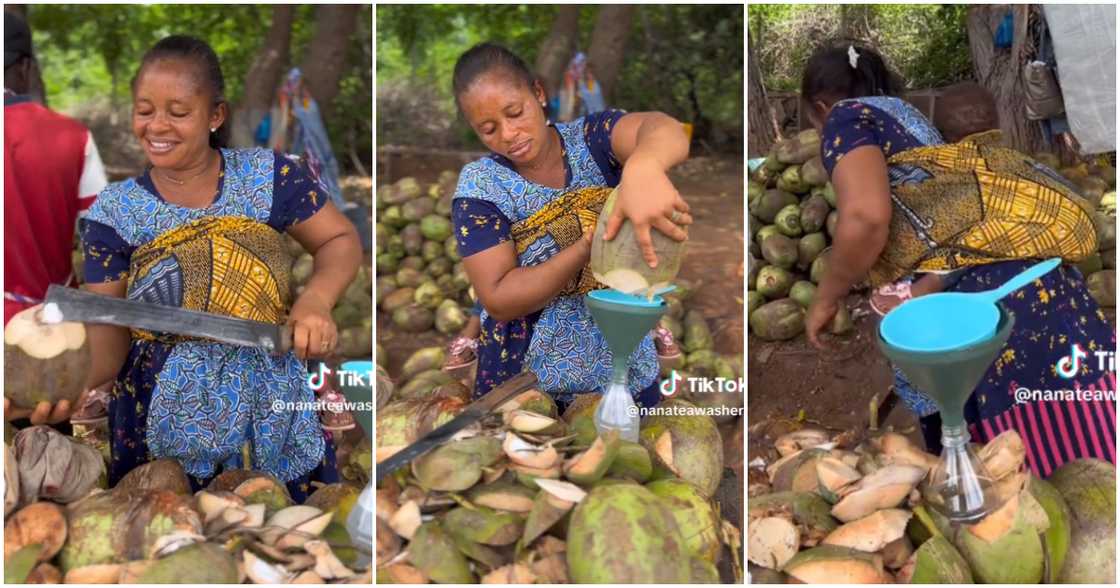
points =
(314, 333)
(44, 413)
(648, 199)
(821, 313)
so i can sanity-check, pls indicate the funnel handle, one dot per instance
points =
(1031, 274)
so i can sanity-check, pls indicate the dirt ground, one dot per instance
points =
(713, 265)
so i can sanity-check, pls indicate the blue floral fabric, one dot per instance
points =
(200, 401)
(561, 343)
(892, 124)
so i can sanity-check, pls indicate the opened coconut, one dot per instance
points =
(1089, 488)
(45, 360)
(696, 516)
(686, 445)
(619, 263)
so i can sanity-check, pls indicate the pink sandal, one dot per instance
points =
(886, 298)
(667, 347)
(461, 353)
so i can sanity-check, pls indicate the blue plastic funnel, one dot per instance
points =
(952, 320)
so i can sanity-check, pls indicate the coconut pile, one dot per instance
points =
(792, 222)
(61, 525)
(421, 283)
(829, 510)
(528, 496)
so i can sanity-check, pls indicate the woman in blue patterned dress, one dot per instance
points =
(524, 217)
(202, 229)
(978, 214)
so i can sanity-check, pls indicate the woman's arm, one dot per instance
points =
(108, 344)
(649, 144)
(509, 291)
(863, 198)
(333, 242)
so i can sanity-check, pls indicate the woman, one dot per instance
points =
(202, 229)
(524, 217)
(908, 203)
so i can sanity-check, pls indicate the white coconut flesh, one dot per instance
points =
(624, 280)
(772, 542)
(43, 340)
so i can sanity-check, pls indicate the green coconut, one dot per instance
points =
(413, 239)
(413, 318)
(813, 172)
(433, 552)
(409, 277)
(431, 251)
(803, 293)
(265, 489)
(765, 233)
(687, 446)
(697, 336)
(1015, 557)
(117, 527)
(622, 533)
(1089, 489)
(841, 321)
(754, 301)
(422, 360)
(1057, 536)
(772, 201)
(484, 525)
(791, 181)
(788, 221)
(160, 474)
(456, 466)
(632, 462)
(936, 562)
(819, 267)
(336, 498)
(534, 401)
(1102, 287)
(44, 362)
(830, 224)
(1091, 265)
(403, 422)
(673, 325)
(780, 251)
(814, 214)
(798, 149)
(808, 248)
(415, 265)
(387, 263)
(450, 318)
(428, 295)
(779, 320)
(435, 227)
(398, 298)
(774, 282)
(696, 516)
(200, 564)
(580, 416)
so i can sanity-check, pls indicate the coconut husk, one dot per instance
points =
(1056, 539)
(772, 542)
(695, 448)
(833, 475)
(532, 401)
(18, 566)
(228, 480)
(434, 553)
(793, 442)
(484, 525)
(631, 462)
(335, 498)
(809, 511)
(55, 467)
(201, 563)
(799, 472)
(897, 553)
(527, 421)
(590, 466)
(264, 489)
(11, 481)
(551, 569)
(488, 556)
(161, 474)
(873, 532)
(936, 561)
(44, 362)
(1089, 488)
(401, 573)
(1004, 455)
(388, 543)
(95, 574)
(896, 449)
(523, 453)
(547, 511)
(45, 573)
(511, 574)
(696, 516)
(39, 523)
(447, 469)
(503, 495)
(885, 488)
(831, 564)
(294, 526)
(1015, 554)
(703, 571)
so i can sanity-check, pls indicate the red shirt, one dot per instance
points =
(52, 172)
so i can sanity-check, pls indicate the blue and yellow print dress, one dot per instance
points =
(561, 343)
(1051, 316)
(200, 401)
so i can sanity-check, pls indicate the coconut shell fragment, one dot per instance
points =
(831, 564)
(772, 542)
(873, 532)
(434, 553)
(885, 488)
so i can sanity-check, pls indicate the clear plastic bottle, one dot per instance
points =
(360, 526)
(617, 410)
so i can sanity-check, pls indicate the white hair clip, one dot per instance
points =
(853, 56)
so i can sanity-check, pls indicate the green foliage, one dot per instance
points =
(89, 54)
(927, 44)
(691, 54)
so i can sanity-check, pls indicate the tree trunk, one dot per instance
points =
(558, 47)
(1000, 70)
(264, 75)
(608, 44)
(326, 57)
(760, 125)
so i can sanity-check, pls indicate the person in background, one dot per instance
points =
(52, 173)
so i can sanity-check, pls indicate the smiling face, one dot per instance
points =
(507, 115)
(172, 114)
